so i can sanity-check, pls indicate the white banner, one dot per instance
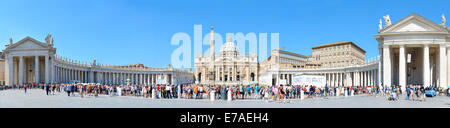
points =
(160, 80)
(283, 82)
(314, 80)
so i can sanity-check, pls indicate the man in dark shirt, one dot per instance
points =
(47, 88)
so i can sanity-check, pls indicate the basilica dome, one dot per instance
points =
(229, 46)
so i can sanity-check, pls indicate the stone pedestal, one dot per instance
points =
(179, 92)
(302, 94)
(338, 92)
(212, 96)
(229, 96)
(153, 94)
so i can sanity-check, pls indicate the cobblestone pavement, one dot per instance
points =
(38, 98)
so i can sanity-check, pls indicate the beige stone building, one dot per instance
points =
(2, 68)
(342, 63)
(227, 67)
(282, 59)
(340, 54)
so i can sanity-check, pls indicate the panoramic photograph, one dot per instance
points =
(224, 54)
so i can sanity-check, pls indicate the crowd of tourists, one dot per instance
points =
(277, 93)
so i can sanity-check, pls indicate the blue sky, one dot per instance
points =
(139, 31)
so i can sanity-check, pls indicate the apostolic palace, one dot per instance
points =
(414, 50)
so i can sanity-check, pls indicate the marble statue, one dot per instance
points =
(380, 26)
(387, 20)
(10, 41)
(47, 39)
(52, 40)
(443, 20)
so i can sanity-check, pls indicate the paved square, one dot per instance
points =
(38, 98)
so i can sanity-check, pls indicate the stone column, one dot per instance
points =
(371, 77)
(10, 74)
(354, 79)
(141, 77)
(149, 79)
(72, 74)
(69, 75)
(79, 75)
(386, 66)
(360, 78)
(133, 78)
(402, 67)
(108, 77)
(448, 68)
(337, 79)
(346, 79)
(366, 79)
(144, 79)
(332, 80)
(86, 76)
(75, 74)
(52, 70)
(56, 74)
(426, 65)
(47, 66)
(443, 66)
(59, 75)
(36, 69)
(366, 75)
(116, 78)
(21, 70)
(166, 78)
(64, 75)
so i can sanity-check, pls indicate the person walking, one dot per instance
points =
(68, 89)
(25, 89)
(408, 93)
(47, 88)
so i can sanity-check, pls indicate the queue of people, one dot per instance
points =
(276, 93)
